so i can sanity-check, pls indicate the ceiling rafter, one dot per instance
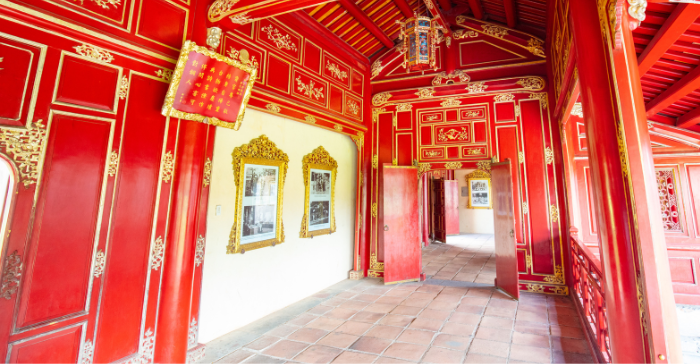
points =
(511, 15)
(477, 10)
(680, 89)
(367, 22)
(404, 7)
(689, 119)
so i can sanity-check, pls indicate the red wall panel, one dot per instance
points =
(404, 120)
(75, 73)
(404, 149)
(58, 347)
(507, 142)
(154, 15)
(505, 111)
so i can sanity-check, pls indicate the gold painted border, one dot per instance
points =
(318, 159)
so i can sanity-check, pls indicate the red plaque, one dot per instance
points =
(209, 88)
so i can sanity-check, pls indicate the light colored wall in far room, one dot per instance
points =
(238, 289)
(472, 221)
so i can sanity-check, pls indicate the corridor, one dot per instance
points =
(455, 316)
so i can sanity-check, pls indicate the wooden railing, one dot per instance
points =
(589, 295)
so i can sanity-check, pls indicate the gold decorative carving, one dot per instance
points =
(433, 153)
(542, 96)
(637, 9)
(553, 213)
(309, 90)
(536, 47)
(220, 9)
(460, 75)
(26, 148)
(165, 75)
(394, 162)
(472, 114)
(495, 31)
(214, 37)
(517, 110)
(377, 68)
(113, 163)
(374, 209)
(484, 165)
(318, 159)
(93, 52)
(168, 167)
(528, 261)
(453, 135)
(243, 56)
(353, 107)
(242, 19)
(123, 88)
(260, 151)
(404, 107)
(207, 173)
(158, 253)
(537, 288)
(335, 71)
(463, 33)
(452, 101)
(380, 98)
(474, 151)
(453, 165)
(100, 261)
(577, 110)
(359, 139)
(561, 290)
(504, 97)
(282, 42)
(622, 149)
(11, 274)
(424, 93)
(521, 157)
(431, 118)
(548, 155)
(199, 251)
(273, 108)
(476, 87)
(375, 161)
(526, 210)
(531, 83)
(338, 127)
(422, 167)
(374, 264)
(558, 277)
(376, 112)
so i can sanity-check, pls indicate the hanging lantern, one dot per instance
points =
(420, 39)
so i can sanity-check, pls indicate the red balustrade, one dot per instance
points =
(589, 296)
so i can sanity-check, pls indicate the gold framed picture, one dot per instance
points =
(259, 170)
(479, 184)
(319, 170)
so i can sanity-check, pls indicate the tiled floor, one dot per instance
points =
(455, 317)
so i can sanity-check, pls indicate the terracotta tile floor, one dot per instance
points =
(456, 316)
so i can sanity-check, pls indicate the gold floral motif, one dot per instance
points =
(165, 75)
(376, 112)
(504, 97)
(260, 150)
(394, 162)
(637, 9)
(123, 88)
(26, 148)
(243, 56)
(460, 75)
(463, 33)
(359, 140)
(495, 31)
(422, 167)
(158, 253)
(335, 71)
(622, 149)
(558, 277)
(282, 42)
(11, 274)
(542, 97)
(526, 210)
(375, 161)
(207, 173)
(432, 153)
(476, 87)
(94, 52)
(536, 47)
(100, 262)
(474, 151)
(537, 288)
(104, 4)
(577, 110)
(431, 118)
(220, 9)
(273, 108)
(319, 158)
(310, 119)
(374, 209)
(113, 163)
(338, 127)
(374, 264)
(424, 93)
(517, 110)
(453, 135)
(377, 68)
(353, 107)
(484, 165)
(521, 157)
(453, 165)
(472, 114)
(548, 155)
(404, 107)
(528, 262)
(309, 90)
(553, 213)
(374, 274)
(242, 19)
(168, 167)
(452, 101)
(380, 98)
(531, 83)
(561, 290)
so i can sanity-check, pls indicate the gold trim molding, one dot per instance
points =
(25, 148)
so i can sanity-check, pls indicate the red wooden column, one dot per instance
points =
(178, 267)
(636, 274)
(426, 209)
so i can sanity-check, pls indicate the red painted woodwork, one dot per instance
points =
(451, 189)
(58, 347)
(401, 230)
(76, 72)
(438, 208)
(504, 228)
(426, 217)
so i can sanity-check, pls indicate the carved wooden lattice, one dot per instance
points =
(668, 197)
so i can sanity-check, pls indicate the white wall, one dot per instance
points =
(240, 288)
(472, 221)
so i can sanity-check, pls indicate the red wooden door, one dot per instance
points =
(504, 226)
(439, 211)
(451, 207)
(402, 248)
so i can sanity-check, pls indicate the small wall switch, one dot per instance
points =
(218, 210)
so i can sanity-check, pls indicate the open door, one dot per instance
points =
(402, 246)
(439, 210)
(504, 226)
(451, 207)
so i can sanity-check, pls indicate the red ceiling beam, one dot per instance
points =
(368, 23)
(404, 7)
(511, 17)
(680, 89)
(477, 10)
(440, 16)
(677, 23)
(247, 11)
(689, 119)
(446, 5)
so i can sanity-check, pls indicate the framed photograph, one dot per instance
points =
(479, 185)
(259, 169)
(319, 170)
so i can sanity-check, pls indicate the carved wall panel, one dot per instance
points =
(312, 57)
(279, 74)
(22, 63)
(57, 346)
(309, 88)
(670, 200)
(155, 13)
(280, 38)
(336, 71)
(75, 72)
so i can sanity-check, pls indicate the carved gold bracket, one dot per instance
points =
(25, 148)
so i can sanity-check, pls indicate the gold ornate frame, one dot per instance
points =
(188, 47)
(318, 159)
(478, 174)
(258, 151)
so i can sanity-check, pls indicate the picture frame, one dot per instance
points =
(320, 171)
(479, 185)
(259, 170)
